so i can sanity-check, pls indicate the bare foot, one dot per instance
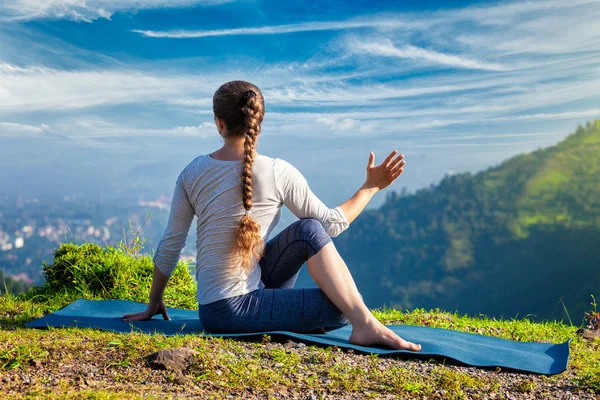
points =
(375, 333)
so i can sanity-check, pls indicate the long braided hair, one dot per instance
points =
(240, 105)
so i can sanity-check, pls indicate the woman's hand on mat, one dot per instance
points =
(154, 308)
(382, 175)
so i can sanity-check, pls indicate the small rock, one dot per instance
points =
(278, 365)
(589, 334)
(90, 383)
(36, 363)
(300, 344)
(172, 359)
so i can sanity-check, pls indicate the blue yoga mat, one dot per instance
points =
(468, 348)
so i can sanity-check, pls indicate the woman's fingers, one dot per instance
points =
(398, 166)
(141, 316)
(149, 313)
(397, 160)
(131, 317)
(394, 163)
(163, 311)
(388, 158)
(397, 173)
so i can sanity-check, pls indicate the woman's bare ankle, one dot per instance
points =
(363, 319)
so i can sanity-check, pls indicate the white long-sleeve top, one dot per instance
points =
(211, 190)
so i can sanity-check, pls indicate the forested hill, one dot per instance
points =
(511, 240)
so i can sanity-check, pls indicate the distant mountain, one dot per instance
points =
(512, 240)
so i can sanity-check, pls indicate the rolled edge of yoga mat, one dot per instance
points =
(463, 347)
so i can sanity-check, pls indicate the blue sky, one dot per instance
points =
(456, 86)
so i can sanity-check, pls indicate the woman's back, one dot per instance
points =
(214, 192)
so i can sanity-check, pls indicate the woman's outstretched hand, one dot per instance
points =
(154, 308)
(384, 174)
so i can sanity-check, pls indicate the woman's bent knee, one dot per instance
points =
(311, 224)
(312, 230)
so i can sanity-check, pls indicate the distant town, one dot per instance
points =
(31, 229)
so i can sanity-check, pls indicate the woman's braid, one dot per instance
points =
(249, 236)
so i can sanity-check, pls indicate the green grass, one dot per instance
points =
(59, 360)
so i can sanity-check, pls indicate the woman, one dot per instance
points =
(235, 292)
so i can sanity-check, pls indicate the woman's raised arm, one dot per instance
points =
(295, 193)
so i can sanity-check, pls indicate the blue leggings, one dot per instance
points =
(277, 306)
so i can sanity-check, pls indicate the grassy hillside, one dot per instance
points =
(564, 191)
(85, 363)
(517, 239)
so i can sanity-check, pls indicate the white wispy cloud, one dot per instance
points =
(317, 95)
(505, 13)
(503, 135)
(338, 124)
(355, 23)
(386, 48)
(517, 144)
(89, 128)
(38, 88)
(205, 129)
(591, 113)
(13, 128)
(86, 10)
